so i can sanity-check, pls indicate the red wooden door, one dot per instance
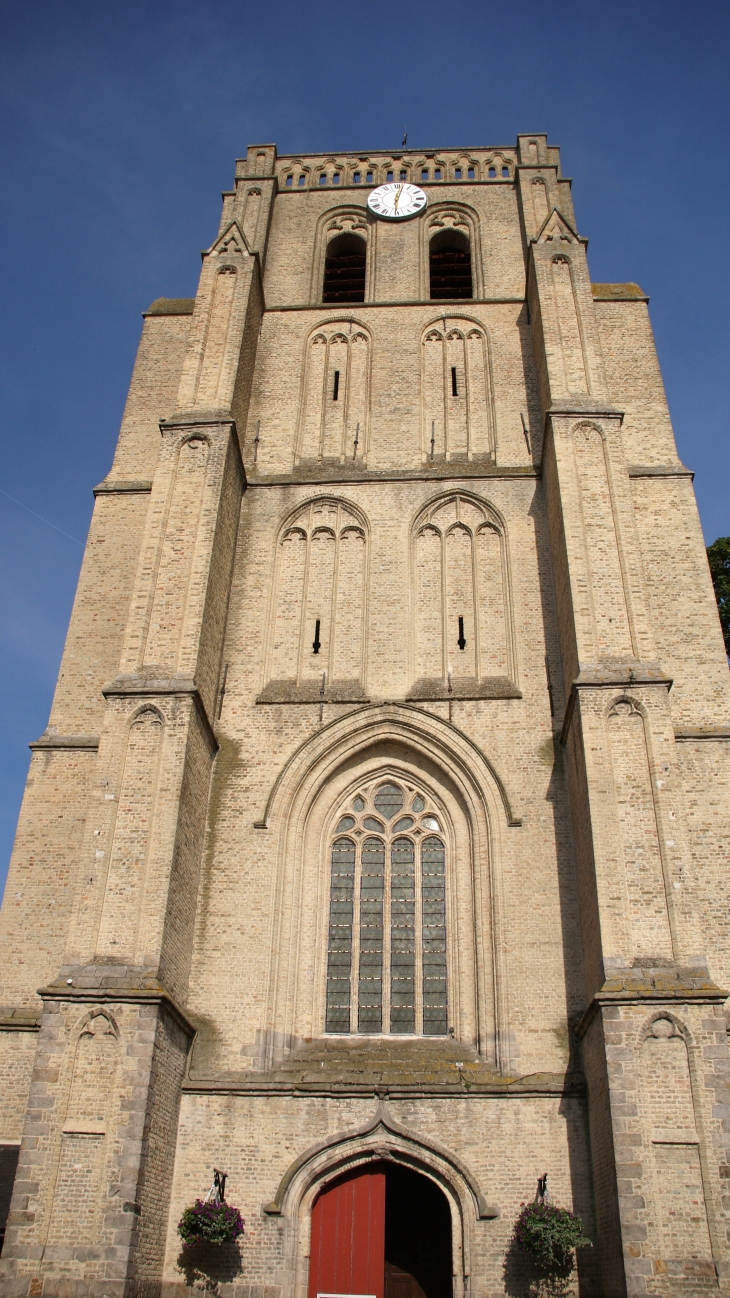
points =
(347, 1250)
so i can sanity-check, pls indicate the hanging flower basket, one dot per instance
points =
(210, 1223)
(550, 1235)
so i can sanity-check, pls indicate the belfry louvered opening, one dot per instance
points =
(450, 265)
(344, 269)
(387, 958)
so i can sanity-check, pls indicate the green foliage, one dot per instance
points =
(719, 556)
(550, 1235)
(209, 1223)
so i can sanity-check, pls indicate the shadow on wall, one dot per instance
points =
(206, 1266)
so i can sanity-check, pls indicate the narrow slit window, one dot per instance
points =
(336, 178)
(344, 270)
(462, 638)
(505, 171)
(301, 181)
(336, 386)
(290, 180)
(454, 384)
(470, 173)
(437, 174)
(356, 178)
(389, 175)
(457, 174)
(316, 643)
(424, 174)
(492, 173)
(323, 179)
(403, 175)
(369, 178)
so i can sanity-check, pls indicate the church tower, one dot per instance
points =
(376, 849)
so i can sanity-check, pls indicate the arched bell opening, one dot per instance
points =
(449, 256)
(383, 1230)
(344, 269)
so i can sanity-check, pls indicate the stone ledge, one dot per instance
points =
(311, 692)
(618, 293)
(87, 743)
(171, 306)
(668, 984)
(312, 475)
(537, 1085)
(19, 1018)
(131, 486)
(677, 470)
(702, 732)
(109, 984)
(467, 687)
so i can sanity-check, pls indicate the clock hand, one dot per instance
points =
(396, 199)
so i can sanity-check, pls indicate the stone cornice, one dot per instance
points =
(534, 1085)
(100, 990)
(600, 676)
(453, 472)
(122, 486)
(85, 743)
(144, 685)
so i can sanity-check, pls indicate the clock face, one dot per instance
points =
(397, 201)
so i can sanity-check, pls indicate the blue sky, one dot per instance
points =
(120, 125)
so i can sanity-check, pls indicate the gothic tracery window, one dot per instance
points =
(387, 961)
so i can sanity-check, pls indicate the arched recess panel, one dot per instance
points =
(333, 419)
(570, 337)
(639, 832)
(611, 623)
(539, 202)
(682, 1233)
(131, 842)
(162, 647)
(319, 603)
(251, 216)
(82, 1157)
(460, 583)
(322, 796)
(457, 401)
(217, 336)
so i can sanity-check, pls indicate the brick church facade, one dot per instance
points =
(380, 826)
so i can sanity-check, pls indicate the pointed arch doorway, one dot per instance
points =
(382, 1231)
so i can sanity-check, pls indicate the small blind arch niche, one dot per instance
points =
(462, 629)
(316, 644)
(335, 395)
(387, 957)
(458, 419)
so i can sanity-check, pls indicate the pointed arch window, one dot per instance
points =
(344, 269)
(387, 948)
(449, 259)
